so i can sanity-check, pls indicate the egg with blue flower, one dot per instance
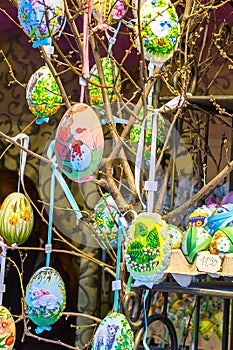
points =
(159, 30)
(41, 20)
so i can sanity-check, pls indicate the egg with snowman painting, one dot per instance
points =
(79, 143)
(7, 329)
(45, 298)
(114, 332)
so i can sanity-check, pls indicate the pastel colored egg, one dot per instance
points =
(43, 94)
(104, 221)
(110, 11)
(199, 216)
(112, 78)
(79, 143)
(16, 218)
(159, 30)
(113, 332)
(175, 235)
(147, 249)
(41, 19)
(7, 329)
(222, 241)
(195, 239)
(136, 130)
(45, 298)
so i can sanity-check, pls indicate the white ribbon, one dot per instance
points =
(151, 185)
(24, 142)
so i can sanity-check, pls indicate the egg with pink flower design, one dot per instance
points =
(110, 12)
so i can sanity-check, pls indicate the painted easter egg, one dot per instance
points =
(222, 241)
(195, 240)
(43, 94)
(16, 218)
(159, 30)
(7, 329)
(79, 143)
(112, 81)
(176, 236)
(199, 216)
(147, 249)
(45, 298)
(207, 328)
(104, 220)
(108, 12)
(41, 20)
(114, 332)
(136, 130)
(221, 217)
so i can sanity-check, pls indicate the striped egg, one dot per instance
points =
(16, 218)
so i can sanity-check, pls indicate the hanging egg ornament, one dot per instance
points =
(110, 11)
(112, 81)
(104, 220)
(114, 332)
(41, 20)
(136, 129)
(16, 218)
(159, 30)
(43, 94)
(195, 240)
(45, 298)
(207, 328)
(147, 249)
(79, 143)
(7, 329)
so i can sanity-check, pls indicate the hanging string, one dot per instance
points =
(2, 272)
(48, 246)
(151, 185)
(85, 69)
(116, 285)
(145, 320)
(24, 142)
(62, 182)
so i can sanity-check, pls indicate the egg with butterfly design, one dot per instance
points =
(147, 249)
